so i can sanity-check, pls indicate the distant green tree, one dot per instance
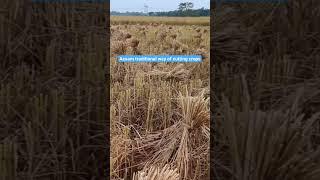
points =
(189, 5)
(182, 6)
(185, 6)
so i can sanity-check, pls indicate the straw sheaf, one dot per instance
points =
(121, 36)
(157, 173)
(118, 47)
(178, 73)
(178, 143)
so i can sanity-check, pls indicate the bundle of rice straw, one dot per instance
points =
(179, 73)
(184, 145)
(177, 144)
(157, 173)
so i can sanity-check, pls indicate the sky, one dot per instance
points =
(154, 5)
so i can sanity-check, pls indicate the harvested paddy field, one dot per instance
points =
(159, 111)
(134, 20)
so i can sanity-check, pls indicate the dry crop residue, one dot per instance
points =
(160, 111)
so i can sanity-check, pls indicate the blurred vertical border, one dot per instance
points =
(265, 90)
(54, 90)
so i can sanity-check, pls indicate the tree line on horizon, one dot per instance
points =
(184, 10)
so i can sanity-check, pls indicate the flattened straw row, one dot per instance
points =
(157, 173)
(174, 144)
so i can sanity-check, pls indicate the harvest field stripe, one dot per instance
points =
(160, 58)
(133, 20)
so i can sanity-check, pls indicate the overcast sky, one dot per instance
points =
(154, 5)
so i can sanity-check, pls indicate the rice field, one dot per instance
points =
(159, 111)
(145, 20)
